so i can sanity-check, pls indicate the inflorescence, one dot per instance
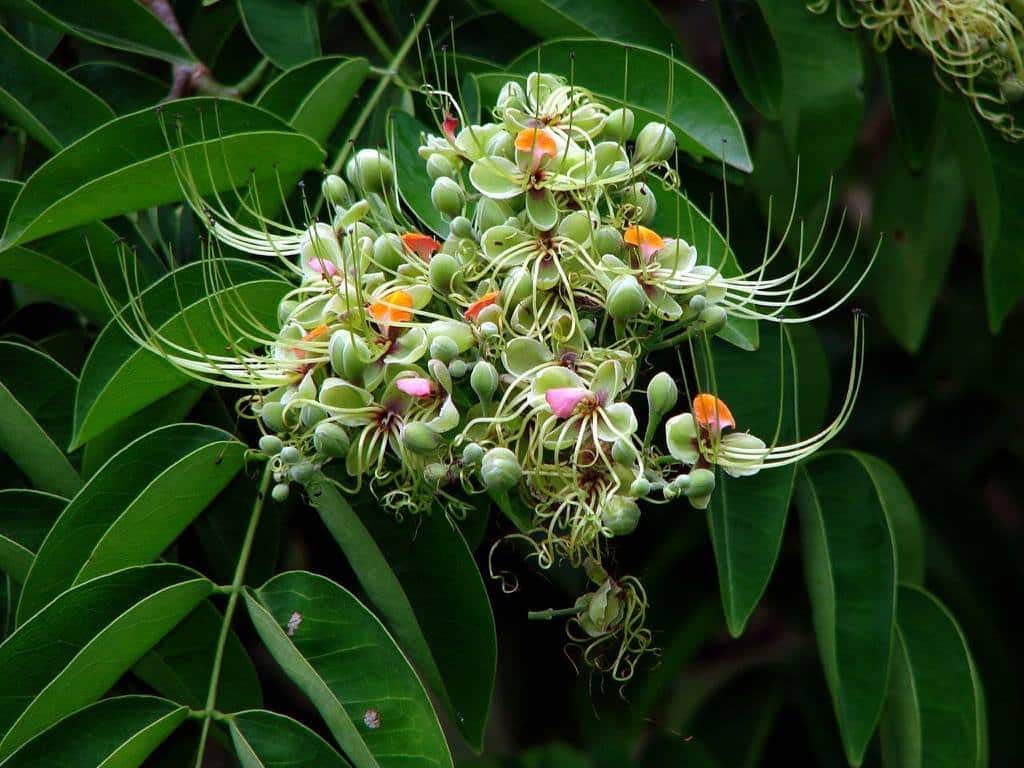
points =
(504, 355)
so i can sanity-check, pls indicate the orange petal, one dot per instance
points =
(536, 140)
(422, 245)
(390, 310)
(313, 335)
(480, 304)
(709, 411)
(643, 238)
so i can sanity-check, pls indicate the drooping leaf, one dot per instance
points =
(636, 22)
(35, 415)
(120, 377)
(414, 184)
(312, 97)
(127, 163)
(180, 666)
(38, 37)
(119, 732)
(285, 31)
(84, 640)
(49, 105)
(343, 659)
(123, 87)
(128, 26)
(914, 98)
(752, 53)
(441, 617)
(935, 712)
(850, 564)
(265, 739)
(702, 119)
(25, 517)
(132, 508)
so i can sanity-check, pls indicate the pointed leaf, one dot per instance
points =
(126, 164)
(123, 87)
(914, 97)
(82, 642)
(441, 617)
(122, 733)
(348, 665)
(268, 740)
(285, 31)
(35, 395)
(132, 508)
(935, 713)
(752, 54)
(25, 517)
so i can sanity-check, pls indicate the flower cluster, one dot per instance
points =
(507, 353)
(976, 45)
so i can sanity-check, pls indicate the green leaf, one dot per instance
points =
(312, 97)
(268, 740)
(124, 88)
(635, 22)
(903, 516)
(995, 169)
(822, 77)
(851, 570)
(935, 712)
(120, 377)
(702, 119)
(914, 98)
(440, 616)
(120, 732)
(677, 216)
(344, 660)
(83, 641)
(919, 217)
(414, 184)
(285, 31)
(752, 54)
(49, 105)
(35, 397)
(747, 515)
(126, 164)
(180, 666)
(128, 26)
(132, 508)
(25, 517)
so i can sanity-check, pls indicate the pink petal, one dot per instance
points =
(416, 386)
(563, 400)
(322, 266)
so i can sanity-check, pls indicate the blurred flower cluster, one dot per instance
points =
(508, 354)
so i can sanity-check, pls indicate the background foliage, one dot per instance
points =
(125, 495)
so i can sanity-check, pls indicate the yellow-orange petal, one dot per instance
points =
(537, 140)
(709, 411)
(480, 304)
(313, 335)
(643, 238)
(422, 245)
(392, 308)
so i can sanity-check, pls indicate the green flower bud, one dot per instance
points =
(387, 251)
(443, 267)
(697, 304)
(356, 213)
(302, 472)
(620, 515)
(625, 298)
(458, 368)
(271, 445)
(311, 415)
(640, 197)
(589, 327)
(484, 380)
(463, 227)
(662, 394)
(335, 190)
(444, 349)
(700, 487)
(490, 314)
(655, 144)
(448, 197)
(273, 416)
(500, 469)
(370, 170)
(419, 438)
(290, 454)
(280, 492)
(435, 473)
(439, 166)
(618, 125)
(517, 287)
(331, 440)
(608, 239)
(577, 226)
(714, 318)
(640, 487)
(623, 452)
(1012, 88)
(488, 330)
(472, 454)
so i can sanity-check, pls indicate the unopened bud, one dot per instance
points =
(444, 349)
(434, 473)
(280, 492)
(271, 445)
(662, 393)
(701, 486)
(439, 166)
(443, 267)
(620, 515)
(302, 472)
(387, 251)
(463, 227)
(642, 199)
(608, 239)
(577, 226)
(713, 318)
(618, 125)
(484, 380)
(640, 487)
(458, 368)
(500, 469)
(472, 454)
(370, 170)
(655, 144)
(335, 190)
(448, 197)
(626, 298)
(419, 438)
(331, 440)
